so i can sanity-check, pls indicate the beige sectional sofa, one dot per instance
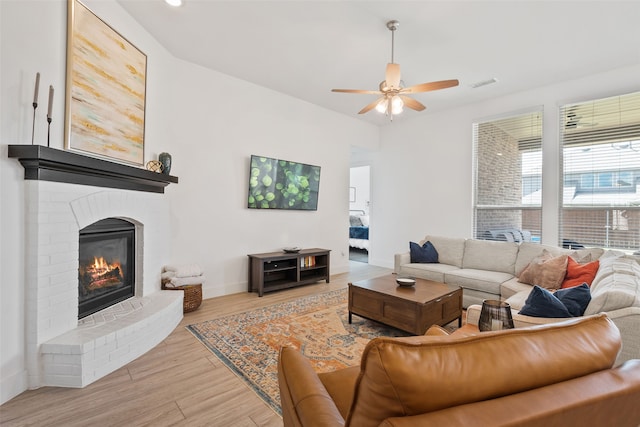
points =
(489, 270)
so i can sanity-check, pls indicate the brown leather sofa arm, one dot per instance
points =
(341, 385)
(304, 399)
(602, 399)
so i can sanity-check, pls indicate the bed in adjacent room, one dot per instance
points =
(358, 229)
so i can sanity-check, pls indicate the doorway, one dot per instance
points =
(359, 204)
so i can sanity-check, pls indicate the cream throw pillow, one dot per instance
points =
(545, 271)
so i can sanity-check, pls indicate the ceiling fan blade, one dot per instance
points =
(372, 92)
(392, 75)
(371, 106)
(426, 87)
(412, 103)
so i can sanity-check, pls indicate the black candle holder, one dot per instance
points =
(48, 129)
(33, 126)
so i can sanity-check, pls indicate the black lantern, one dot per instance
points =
(495, 316)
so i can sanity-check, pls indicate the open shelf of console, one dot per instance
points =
(280, 270)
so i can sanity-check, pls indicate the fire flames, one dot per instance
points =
(101, 266)
(100, 274)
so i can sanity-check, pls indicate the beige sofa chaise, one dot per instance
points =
(489, 270)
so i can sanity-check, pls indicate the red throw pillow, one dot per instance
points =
(577, 274)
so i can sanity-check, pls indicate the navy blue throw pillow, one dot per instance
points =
(423, 254)
(575, 299)
(542, 303)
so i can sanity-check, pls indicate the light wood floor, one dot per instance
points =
(177, 383)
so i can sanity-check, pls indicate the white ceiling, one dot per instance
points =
(305, 48)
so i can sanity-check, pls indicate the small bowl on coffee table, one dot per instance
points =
(406, 281)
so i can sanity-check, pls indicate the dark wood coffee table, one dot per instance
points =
(411, 309)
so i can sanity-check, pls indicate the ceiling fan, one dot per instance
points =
(393, 97)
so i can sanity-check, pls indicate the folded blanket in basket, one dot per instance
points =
(184, 270)
(183, 281)
(168, 275)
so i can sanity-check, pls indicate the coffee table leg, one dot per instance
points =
(349, 317)
(460, 322)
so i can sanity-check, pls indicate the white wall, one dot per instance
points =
(210, 123)
(31, 37)
(360, 181)
(211, 225)
(422, 175)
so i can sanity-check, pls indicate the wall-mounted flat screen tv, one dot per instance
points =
(282, 184)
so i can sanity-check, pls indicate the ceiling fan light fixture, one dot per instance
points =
(392, 91)
(393, 105)
(397, 105)
(382, 106)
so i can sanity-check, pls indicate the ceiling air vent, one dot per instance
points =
(484, 83)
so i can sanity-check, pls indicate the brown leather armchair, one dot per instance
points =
(551, 375)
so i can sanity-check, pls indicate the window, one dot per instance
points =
(600, 142)
(508, 178)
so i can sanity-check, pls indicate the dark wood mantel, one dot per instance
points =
(50, 164)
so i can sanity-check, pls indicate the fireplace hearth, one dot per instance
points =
(106, 265)
(64, 194)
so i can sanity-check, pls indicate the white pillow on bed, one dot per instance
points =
(355, 221)
(365, 220)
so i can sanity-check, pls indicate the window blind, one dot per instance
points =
(600, 142)
(508, 178)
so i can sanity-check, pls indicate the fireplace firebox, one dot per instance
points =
(106, 265)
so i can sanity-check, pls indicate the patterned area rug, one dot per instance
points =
(317, 325)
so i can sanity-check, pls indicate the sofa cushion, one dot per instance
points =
(546, 271)
(614, 292)
(518, 300)
(512, 287)
(575, 298)
(611, 263)
(481, 280)
(542, 303)
(423, 254)
(450, 249)
(490, 255)
(577, 274)
(416, 375)
(528, 251)
(433, 272)
(586, 254)
(570, 302)
(471, 296)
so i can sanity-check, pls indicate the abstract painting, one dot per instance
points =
(106, 89)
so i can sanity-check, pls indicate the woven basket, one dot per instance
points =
(192, 296)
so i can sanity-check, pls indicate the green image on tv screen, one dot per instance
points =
(281, 184)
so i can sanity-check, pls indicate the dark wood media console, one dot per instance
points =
(280, 270)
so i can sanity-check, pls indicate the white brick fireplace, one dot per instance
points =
(62, 351)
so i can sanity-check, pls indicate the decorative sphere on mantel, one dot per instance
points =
(154, 166)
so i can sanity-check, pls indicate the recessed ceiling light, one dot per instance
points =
(174, 3)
